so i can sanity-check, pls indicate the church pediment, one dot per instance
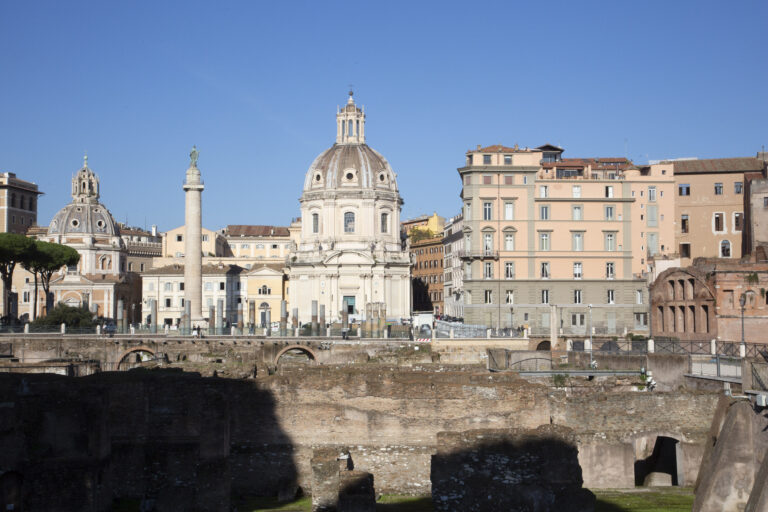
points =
(348, 258)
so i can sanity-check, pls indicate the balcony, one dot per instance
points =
(485, 254)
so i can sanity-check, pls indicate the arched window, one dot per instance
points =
(725, 249)
(384, 223)
(315, 223)
(349, 222)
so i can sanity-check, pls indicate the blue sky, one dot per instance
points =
(255, 86)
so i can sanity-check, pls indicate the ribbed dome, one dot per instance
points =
(350, 166)
(83, 219)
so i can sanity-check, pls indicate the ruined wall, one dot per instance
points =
(165, 433)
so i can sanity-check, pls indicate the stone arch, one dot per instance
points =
(124, 356)
(544, 345)
(307, 350)
(656, 455)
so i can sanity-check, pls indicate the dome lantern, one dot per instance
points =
(350, 123)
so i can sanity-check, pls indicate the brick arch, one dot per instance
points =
(141, 348)
(307, 350)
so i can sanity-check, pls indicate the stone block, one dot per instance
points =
(325, 479)
(514, 469)
(656, 479)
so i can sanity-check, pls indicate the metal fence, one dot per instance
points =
(716, 366)
(622, 346)
(759, 376)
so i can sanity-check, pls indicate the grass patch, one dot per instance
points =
(671, 499)
(387, 503)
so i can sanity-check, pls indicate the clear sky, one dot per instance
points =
(255, 86)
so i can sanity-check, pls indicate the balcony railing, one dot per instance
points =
(482, 254)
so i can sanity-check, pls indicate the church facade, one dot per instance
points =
(348, 252)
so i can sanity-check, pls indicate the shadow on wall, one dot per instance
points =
(166, 440)
(663, 467)
(502, 470)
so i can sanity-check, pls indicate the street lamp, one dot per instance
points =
(742, 303)
(590, 335)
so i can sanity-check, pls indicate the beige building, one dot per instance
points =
(173, 244)
(710, 206)
(550, 242)
(18, 203)
(453, 268)
(349, 252)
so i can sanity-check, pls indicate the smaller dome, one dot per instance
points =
(84, 219)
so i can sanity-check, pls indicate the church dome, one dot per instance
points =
(85, 215)
(350, 164)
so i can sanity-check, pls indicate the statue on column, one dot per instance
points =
(193, 156)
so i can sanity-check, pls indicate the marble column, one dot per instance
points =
(193, 259)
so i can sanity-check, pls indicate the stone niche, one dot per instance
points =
(509, 469)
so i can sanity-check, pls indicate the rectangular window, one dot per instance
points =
(611, 297)
(639, 296)
(467, 242)
(509, 179)
(509, 211)
(507, 159)
(609, 191)
(179, 238)
(738, 187)
(544, 191)
(222, 285)
(718, 189)
(204, 238)
(577, 191)
(544, 212)
(168, 287)
(181, 287)
(467, 211)
(653, 244)
(577, 241)
(577, 213)
(577, 319)
(545, 270)
(738, 221)
(489, 296)
(684, 189)
(545, 296)
(543, 241)
(652, 194)
(167, 303)
(718, 221)
(486, 159)
(509, 270)
(577, 296)
(315, 223)
(349, 222)
(509, 242)
(467, 179)
(510, 297)
(487, 242)
(641, 320)
(609, 212)
(208, 287)
(685, 250)
(683, 223)
(384, 223)
(525, 180)
(653, 215)
(577, 270)
(610, 270)
(487, 270)
(151, 287)
(610, 241)
(487, 209)
(486, 179)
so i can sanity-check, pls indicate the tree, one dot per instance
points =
(63, 314)
(44, 260)
(14, 248)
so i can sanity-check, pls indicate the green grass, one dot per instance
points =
(670, 499)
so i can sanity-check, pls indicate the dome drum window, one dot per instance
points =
(74, 223)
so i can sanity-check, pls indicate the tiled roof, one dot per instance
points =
(206, 270)
(249, 230)
(741, 164)
(498, 148)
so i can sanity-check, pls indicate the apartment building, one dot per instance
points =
(427, 273)
(453, 270)
(550, 242)
(18, 203)
(710, 206)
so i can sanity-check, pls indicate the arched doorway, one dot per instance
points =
(264, 314)
(296, 354)
(135, 357)
(544, 345)
(663, 465)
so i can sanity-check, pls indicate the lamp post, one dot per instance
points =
(742, 303)
(591, 348)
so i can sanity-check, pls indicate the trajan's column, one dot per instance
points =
(193, 255)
